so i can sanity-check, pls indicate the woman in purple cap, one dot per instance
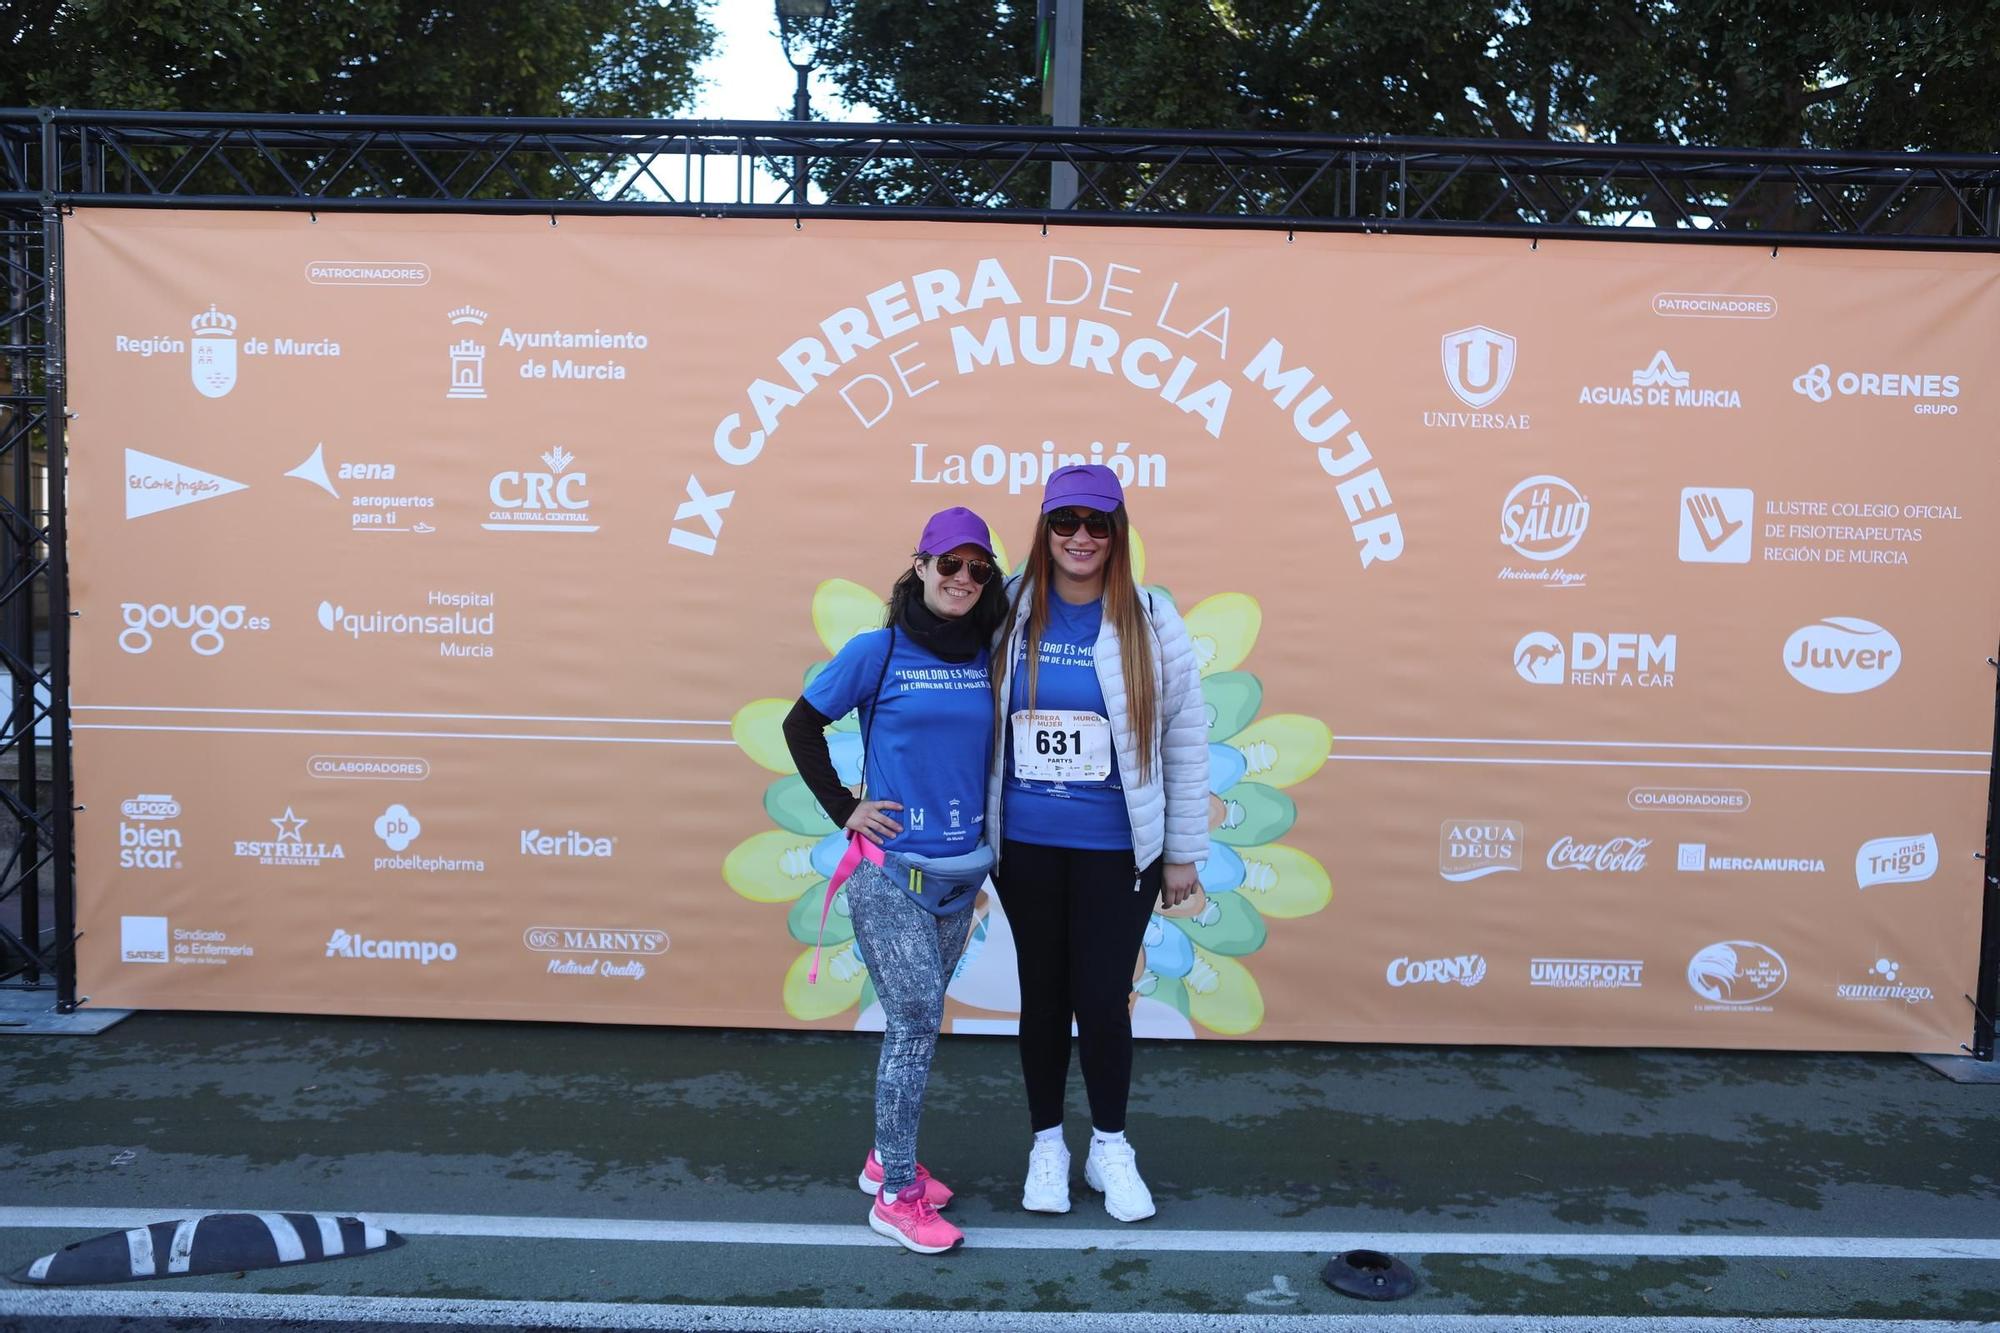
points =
(917, 851)
(1100, 783)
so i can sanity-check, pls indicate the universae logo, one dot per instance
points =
(1478, 363)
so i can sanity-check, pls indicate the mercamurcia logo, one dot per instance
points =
(1842, 655)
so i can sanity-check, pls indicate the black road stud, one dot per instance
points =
(214, 1243)
(1369, 1275)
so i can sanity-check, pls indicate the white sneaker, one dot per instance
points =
(1112, 1169)
(1047, 1190)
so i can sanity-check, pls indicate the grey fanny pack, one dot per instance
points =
(943, 885)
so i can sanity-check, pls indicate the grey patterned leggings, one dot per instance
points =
(910, 956)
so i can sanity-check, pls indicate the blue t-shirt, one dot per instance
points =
(1085, 815)
(929, 736)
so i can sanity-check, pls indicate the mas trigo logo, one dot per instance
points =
(206, 624)
(1907, 860)
(144, 841)
(1618, 660)
(1737, 974)
(1467, 969)
(290, 848)
(1842, 655)
(1478, 367)
(551, 501)
(1935, 394)
(1542, 519)
(618, 951)
(1474, 848)
(346, 944)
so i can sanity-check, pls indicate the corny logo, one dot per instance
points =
(1842, 655)
(1467, 969)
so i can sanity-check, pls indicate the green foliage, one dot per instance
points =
(396, 57)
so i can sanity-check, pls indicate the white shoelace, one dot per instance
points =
(1045, 1167)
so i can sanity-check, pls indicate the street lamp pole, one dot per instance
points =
(803, 27)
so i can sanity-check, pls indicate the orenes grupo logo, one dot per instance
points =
(206, 624)
(398, 828)
(1736, 972)
(1842, 655)
(1932, 391)
(1906, 860)
(1478, 363)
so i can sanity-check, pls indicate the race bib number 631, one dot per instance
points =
(1061, 745)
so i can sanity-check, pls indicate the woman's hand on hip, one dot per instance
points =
(1178, 884)
(870, 821)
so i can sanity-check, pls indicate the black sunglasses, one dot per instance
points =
(1065, 522)
(948, 565)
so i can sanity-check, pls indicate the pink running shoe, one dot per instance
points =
(912, 1223)
(936, 1193)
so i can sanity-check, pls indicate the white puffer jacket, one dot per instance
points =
(1169, 810)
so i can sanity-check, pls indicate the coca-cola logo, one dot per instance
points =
(1613, 854)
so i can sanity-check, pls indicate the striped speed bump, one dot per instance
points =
(212, 1243)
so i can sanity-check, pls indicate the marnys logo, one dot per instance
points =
(1934, 392)
(153, 484)
(1617, 659)
(1478, 366)
(534, 842)
(1613, 855)
(551, 501)
(575, 940)
(1842, 655)
(291, 848)
(1717, 524)
(1474, 848)
(1586, 973)
(1542, 519)
(1884, 986)
(448, 628)
(343, 944)
(1660, 383)
(1694, 856)
(1910, 860)
(206, 623)
(1737, 974)
(142, 845)
(1468, 969)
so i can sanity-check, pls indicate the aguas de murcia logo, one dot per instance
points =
(1659, 383)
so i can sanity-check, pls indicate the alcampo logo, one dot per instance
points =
(1907, 860)
(1467, 969)
(212, 353)
(534, 842)
(1842, 655)
(1543, 518)
(207, 624)
(345, 944)
(1737, 973)
(551, 501)
(398, 828)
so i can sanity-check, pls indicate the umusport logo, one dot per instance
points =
(345, 944)
(1586, 973)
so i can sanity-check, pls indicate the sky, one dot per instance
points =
(748, 78)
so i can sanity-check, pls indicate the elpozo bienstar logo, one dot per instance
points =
(1478, 367)
(1935, 393)
(1842, 655)
(1618, 660)
(1542, 519)
(1471, 849)
(1737, 974)
(143, 844)
(1907, 860)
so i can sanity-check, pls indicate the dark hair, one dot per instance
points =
(986, 613)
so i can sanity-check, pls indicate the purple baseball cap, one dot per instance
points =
(952, 528)
(1092, 485)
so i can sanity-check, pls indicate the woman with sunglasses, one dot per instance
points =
(917, 853)
(1098, 801)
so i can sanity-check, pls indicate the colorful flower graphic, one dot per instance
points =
(1190, 970)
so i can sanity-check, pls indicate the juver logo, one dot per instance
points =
(1478, 364)
(1736, 972)
(1910, 860)
(1842, 655)
(212, 353)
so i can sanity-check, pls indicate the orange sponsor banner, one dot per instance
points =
(1593, 635)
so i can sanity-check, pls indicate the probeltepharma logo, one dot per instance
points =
(1466, 969)
(1842, 655)
(290, 847)
(1884, 984)
(1478, 367)
(212, 353)
(144, 840)
(572, 844)
(1658, 384)
(455, 622)
(142, 939)
(346, 944)
(1612, 856)
(1619, 660)
(551, 501)
(1737, 974)
(1908, 860)
(1586, 973)
(398, 827)
(1542, 519)
(206, 625)
(1474, 848)
(1935, 393)
(618, 952)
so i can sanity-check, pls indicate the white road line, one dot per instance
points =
(441, 717)
(410, 735)
(1652, 745)
(1138, 1239)
(1646, 763)
(332, 1310)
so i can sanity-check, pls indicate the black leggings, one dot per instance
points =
(1078, 925)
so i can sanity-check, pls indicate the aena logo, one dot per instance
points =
(1910, 860)
(398, 828)
(1842, 655)
(206, 624)
(1737, 972)
(1543, 518)
(1478, 364)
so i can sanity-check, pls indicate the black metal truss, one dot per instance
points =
(958, 173)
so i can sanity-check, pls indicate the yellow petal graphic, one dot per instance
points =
(772, 867)
(1224, 630)
(843, 609)
(1283, 881)
(759, 731)
(841, 977)
(1000, 553)
(1222, 995)
(1138, 554)
(1284, 748)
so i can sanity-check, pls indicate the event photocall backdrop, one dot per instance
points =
(1593, 634)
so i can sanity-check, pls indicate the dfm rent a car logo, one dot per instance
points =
(1736, 972)
(1617, 659)
(1543, 518)
(1842, 655)
(207, 625)
(346, 944)
(551, 501)
(1471, 849)
(1467, 969)
(1934, 392)
(1908, 860)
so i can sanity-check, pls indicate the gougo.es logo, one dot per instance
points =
(205, 623)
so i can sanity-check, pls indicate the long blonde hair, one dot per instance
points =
(1121, 607)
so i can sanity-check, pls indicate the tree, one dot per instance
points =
(396, 57)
